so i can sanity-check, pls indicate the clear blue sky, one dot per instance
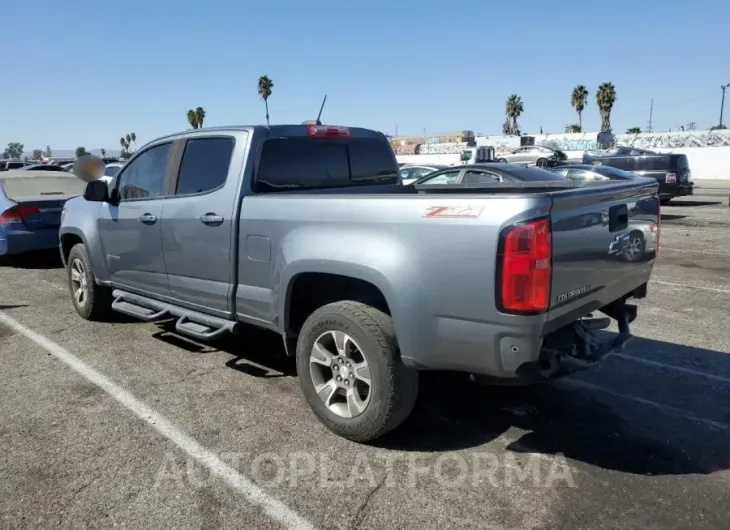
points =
(89, 71)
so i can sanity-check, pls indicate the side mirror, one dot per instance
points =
(96, 191)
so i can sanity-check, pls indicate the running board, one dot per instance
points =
(197, 325)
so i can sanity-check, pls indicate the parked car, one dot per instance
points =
(542, 157)
(111, 170)
(42, 167)
(411, 173)
(9, 164)
(671, 170)
(488, 173)
(278, 227)
(588, 172)
(30, 209)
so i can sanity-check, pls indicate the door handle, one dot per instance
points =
(211, 219)
(148, 219)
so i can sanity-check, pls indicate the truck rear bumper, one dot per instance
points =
(533, 350)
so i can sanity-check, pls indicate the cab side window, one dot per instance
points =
(144, 177)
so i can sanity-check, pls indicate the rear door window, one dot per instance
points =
(305, 163)
(475, 176)
(447, 177)
(204, 165)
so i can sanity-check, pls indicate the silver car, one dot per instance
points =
(411, 173)
(542, 157)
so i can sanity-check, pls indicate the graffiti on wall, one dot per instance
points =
(429, 149)
(586, 142)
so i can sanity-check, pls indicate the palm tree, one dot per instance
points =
(103, 152)
(605, 98)
(264, 89)
(578, 100)
(192, 119)
(129, 139)
(134, 140)
(123, 143)
(199, 116)
(513, 110)
(633, 130)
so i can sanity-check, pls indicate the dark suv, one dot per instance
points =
(671, 170)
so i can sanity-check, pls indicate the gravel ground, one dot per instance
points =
(104, 425)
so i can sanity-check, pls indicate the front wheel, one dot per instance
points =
(542, 163)
(501, 161)
(351, 373)
(92, 301)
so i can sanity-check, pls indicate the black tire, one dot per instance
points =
(542, 163)
(664, 202)
(394, 386)
(501, 161)
(97, 306)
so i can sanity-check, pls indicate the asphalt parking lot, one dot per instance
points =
(104, 425)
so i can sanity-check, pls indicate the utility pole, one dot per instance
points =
(650, 123)
(691, 126)
(722, 103)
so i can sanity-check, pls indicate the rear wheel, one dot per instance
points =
(501, 161)
(92, 301)
(542, 163)
(634, 247)
(664, 202)
(351, 373)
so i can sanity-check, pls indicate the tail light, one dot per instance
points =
(524, 268)
(17, 214)
(327, 131)
(670, 178)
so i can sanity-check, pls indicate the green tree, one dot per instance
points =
(575, 128)
(264, 90)
(199, 116)
(48, 153)
(513, 109)
(37, 154)
(605, 99)
(133, 136)
(192, 119)
(80, 151)
(14, 150)
(103, 152)
(633, 130)
(578, 100)
(718, 127)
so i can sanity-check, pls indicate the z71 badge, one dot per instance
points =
(454, 212)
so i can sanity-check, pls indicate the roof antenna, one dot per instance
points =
(320, 110)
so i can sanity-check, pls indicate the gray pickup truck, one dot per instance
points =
(305, 230)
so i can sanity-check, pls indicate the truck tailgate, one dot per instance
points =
(604, 241)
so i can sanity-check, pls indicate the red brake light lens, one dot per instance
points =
(17, 214)
(525, 268)
(327, 131)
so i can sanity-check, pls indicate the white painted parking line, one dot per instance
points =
(674, 411)
(688, 286)
(666, 366)
(273, 507)
(706, 252)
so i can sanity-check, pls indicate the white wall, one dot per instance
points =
(704, 162)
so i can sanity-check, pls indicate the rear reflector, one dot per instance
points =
(17, 214)
(671, 177)
(524, 269)
(327, 131)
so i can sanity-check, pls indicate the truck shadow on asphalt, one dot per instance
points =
(590, 426)
(691, 203)
(620, 429)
